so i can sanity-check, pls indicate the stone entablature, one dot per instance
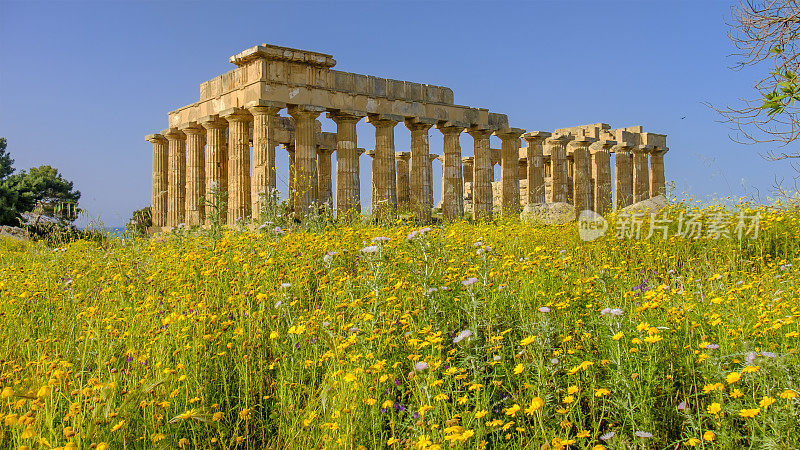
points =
(300, 77)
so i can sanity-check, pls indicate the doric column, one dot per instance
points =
(558, 164)
(290, 184)
(403, 184)
(239, 206)
(431, 158)
(535, 150)
(420, 179)
(359, 152)
(482, 174)
(348, 185)
(523, 167)
(384, 191)
(623, 174)
(509, 169)
(325, 184)
(158, 207)
(641, 175)
(371, 154)
(176, 183)
(264, 178)
(581, 190)
(216, 191)
(658, 185)
(452, 172)
(468, 166)
(601, 174)
(195, 173)
(305, 159)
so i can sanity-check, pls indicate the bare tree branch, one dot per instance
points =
(764, 32)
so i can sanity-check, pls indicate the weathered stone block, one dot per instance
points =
(414, 92)
(548, 213)
(361, 84)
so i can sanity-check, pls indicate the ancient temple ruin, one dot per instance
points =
(226, 142)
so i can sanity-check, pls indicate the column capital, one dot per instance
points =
(580, 142)
(660, 151)
(536, 136)
(478, 132)
(324, 151)
(601, 145)
(155, 138)
(370, 153)
(557, 139)
(402, 156)
(174, 134)
(467, 159)
(346, 115)
(192, 128)
(643, 149)
(622, 148)
(451, 127)
(509, 133)
(212, 122)
(384, 120)
(310, 111)
(264, 107)
(433, 156)
(289, 147)
(419, 123)
(236, 115)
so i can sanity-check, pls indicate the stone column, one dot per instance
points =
(523, 167)
(558, 166)
(535, 150)
(176, 183)
(420, 180)
(384, 197)
(239, 206)
(641, 176)
(264, 178)
(403, 184)
(658, 184)
(158, 208)
(431, 158)
(482, 175)
(290, 183)
(623, 174)
(195, 174)
(216, 191)
(452, 172)
(581, 191)
(371, 154)
(305, 162)
(601, 174)
(325, 184)
(348, 185)
(468, 165)
(359, 152)
(509, 169)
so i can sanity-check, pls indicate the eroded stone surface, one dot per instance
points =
(206, 149)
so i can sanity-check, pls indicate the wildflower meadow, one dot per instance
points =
(458, 335)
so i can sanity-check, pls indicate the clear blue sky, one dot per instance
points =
(82, 83)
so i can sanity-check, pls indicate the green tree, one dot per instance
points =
(42, 188)
(6, 163)
(142, 220)
(8, 198)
